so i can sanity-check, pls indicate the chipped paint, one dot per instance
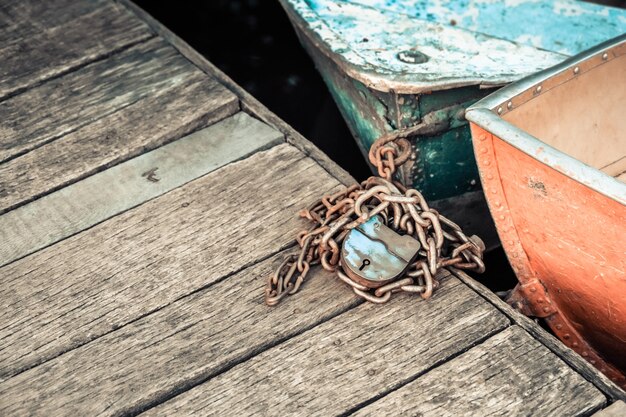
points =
(561, 222)
(467, 42)
(388, 63)
(563, 26)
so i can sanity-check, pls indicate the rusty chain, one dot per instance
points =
(443, 243)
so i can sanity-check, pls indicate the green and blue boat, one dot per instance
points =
(393, 64)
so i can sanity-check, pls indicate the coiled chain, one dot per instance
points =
(443, 243)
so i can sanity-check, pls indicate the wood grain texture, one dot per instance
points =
(38, 46)
(105, 194)
(36, 12)
(23, 18)
(348, 360)
(249, 104)
(574, 360)
(20, 20)
(92, 283)
(62, 105)
(173, 349)
(617, 409)
(192, 101)
(510, 374)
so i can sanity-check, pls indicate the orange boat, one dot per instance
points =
(551, 151)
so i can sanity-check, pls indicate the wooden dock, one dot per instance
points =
(145, 198)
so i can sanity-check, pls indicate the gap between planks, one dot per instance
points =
(356, 356)
(193, 101)
(63, 105)
(509, 374)
(108, 193)
(249, 104)
(37, 46)
(617, 409)
(71, 293)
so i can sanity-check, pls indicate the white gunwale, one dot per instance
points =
(485, 115)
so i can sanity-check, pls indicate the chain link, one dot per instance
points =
(443, 243)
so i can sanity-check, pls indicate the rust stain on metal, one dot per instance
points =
(538, 186)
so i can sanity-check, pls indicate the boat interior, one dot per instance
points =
(580, 112)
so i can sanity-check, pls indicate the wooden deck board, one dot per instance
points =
(510, 374)
(194, 100)
(349, 360)
(103, 195)
(90, 284)
(179, 346)
(35, 47)
(617, 409)
(65, 104)
(131, 295)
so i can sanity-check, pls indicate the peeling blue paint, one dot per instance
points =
(364, 50)
(562, 26)
(467, 42)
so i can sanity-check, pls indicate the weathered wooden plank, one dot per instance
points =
(92, 283)
(36, 50)
(62, 105)
(351, 359)
(248, 102)
(617, 409)
(174, 348)
(192, 101)
(570, 357)
(22, 18)
(510, 374)
(103, 195)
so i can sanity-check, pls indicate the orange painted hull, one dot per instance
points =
(565, 238)
(568, 238)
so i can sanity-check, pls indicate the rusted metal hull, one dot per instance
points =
(369, 53)
(562, 222)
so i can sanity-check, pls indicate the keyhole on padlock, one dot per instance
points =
(365, 263)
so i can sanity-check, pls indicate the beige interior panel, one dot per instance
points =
(584, 117)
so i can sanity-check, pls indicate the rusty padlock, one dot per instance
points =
(372, 254)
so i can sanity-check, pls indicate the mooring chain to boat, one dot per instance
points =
(405, 211)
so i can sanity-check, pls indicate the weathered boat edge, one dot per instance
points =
(583, 367)
(486, 114)
(376, 81)
(510, 91)
(489, 132)
(531, 286)
(546, 154)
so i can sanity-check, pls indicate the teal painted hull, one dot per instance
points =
(357, 46)
(444, 163)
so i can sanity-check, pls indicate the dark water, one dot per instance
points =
(253, 42)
